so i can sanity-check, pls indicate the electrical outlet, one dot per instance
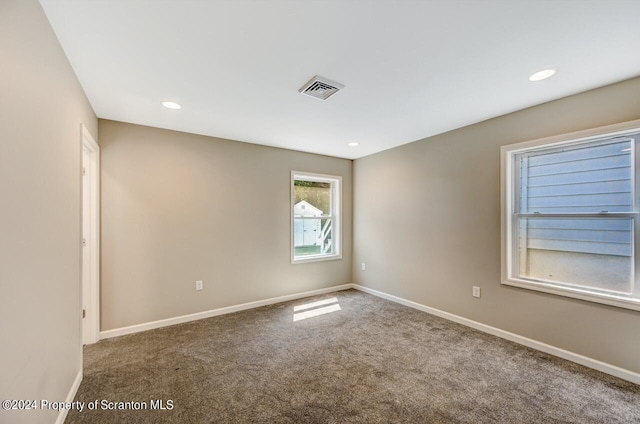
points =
(476, 291)
(363, 266)
(199, 285)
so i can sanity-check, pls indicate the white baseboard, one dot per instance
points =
(534, 344)
(70, 396)
(215, 312)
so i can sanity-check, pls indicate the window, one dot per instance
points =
(315, 212)
(569, 215)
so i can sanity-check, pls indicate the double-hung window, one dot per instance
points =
(569, 217)
(315, 217)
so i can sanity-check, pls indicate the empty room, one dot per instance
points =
(305, 211)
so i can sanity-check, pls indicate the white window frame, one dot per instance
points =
(336, 215)
(508, 199)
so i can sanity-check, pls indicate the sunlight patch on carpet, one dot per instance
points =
(316, 312)
(315, 304)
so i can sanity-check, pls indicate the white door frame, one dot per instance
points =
(92, 248)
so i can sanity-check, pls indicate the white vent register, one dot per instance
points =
(320, 88)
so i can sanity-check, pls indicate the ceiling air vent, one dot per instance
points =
(321, 88)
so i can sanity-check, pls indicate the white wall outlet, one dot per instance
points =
(364, 266)
(476, 291)
(199, 285)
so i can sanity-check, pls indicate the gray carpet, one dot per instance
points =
(372, 361)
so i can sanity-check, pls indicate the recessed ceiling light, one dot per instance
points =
(354, 144)
(171, 105)
(542, 75)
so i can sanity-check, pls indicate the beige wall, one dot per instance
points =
(41, 109)
(179, 207)
(427, 225)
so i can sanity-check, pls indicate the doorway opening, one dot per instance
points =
(90, 238)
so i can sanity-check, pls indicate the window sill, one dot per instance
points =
(315, 258)
(576, 293)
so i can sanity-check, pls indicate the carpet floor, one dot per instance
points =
(353, 358)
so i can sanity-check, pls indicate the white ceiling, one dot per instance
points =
(412, 69)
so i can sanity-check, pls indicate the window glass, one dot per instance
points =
(571, 221)
(315, 217)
